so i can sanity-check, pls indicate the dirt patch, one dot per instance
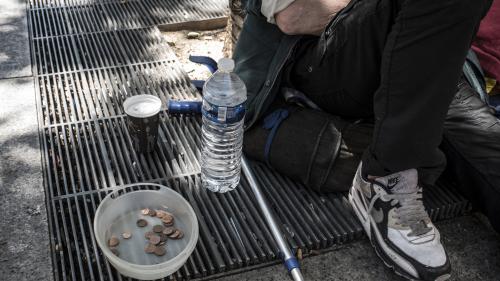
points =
(200, 43)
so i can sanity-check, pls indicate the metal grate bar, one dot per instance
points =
(99, 93)
(96, 16)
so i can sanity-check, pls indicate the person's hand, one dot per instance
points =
(308, 17)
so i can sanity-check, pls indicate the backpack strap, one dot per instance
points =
(474, 75)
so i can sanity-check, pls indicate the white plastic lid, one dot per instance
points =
(142, 106)
(225, 64)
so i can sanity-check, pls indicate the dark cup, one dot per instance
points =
(142, 121)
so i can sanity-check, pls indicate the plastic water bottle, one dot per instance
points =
(223, 110)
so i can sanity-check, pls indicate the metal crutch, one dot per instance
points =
(289, 260)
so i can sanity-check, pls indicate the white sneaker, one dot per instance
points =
(394, 218)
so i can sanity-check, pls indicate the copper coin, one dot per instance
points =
(168, 230)
(160, 214)
(152, 213)
(160, 251)
(113, 241)
(181, 234)
(168, 223)
(149, 234)
(162, 243)
(145, 211)
(141, 223)
(126, 235)
(174, 235)
(167, 217)
(154, 239)
(163, 237)
(150, 248)
(115, 252)
(158, 228)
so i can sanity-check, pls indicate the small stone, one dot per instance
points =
(193, 35)
(208, 37)
(170, 42)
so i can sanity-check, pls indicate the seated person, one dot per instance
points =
(397, 61)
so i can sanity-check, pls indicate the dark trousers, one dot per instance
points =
(397, 61)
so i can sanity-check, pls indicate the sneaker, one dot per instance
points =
(394, 218)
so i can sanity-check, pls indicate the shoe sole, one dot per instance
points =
(366, 221)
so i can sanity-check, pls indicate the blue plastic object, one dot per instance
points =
(184, 107)
(272, 122)
(210, 63)
(291, 263)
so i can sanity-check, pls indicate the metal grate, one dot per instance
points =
(58, 17)
(79, 52)
(82, 79)
(98, 93)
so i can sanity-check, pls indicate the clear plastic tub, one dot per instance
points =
(119, 212)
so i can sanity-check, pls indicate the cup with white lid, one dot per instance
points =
(142, 121)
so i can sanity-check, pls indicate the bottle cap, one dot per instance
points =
(225, 64)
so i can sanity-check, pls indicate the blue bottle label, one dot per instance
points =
(223, 114)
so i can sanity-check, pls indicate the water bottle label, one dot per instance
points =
(223, 114)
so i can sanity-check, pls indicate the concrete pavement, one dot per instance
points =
(473, 248)
(15, 58)
(24, 236)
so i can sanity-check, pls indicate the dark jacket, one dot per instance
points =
(261, 52)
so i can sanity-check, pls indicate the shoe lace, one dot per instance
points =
(410, 212)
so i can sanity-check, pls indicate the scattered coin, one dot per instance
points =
(149, 234)
(142, 223)
(113, 241)
(154, 239)
(160, 214)
(150, 248)
(168, 230)
(163, 237)
(126, 235)
(168, 223)
(160, 251)
(167, 217)
(175, 234)
(178, 234)
(158, 228)
(145, 211)
(162, 243)
(115, 251)
(152, 213)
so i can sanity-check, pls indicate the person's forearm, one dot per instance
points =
(308, 17)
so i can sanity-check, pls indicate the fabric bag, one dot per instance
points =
(310, 146)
